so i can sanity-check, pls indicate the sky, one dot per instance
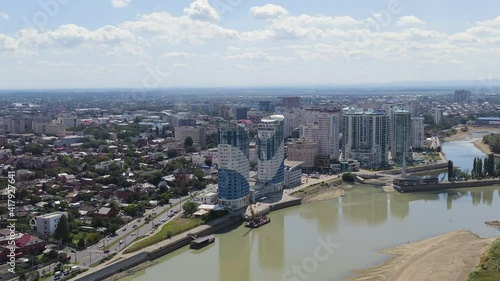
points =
(147, 44)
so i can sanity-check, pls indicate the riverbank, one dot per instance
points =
(472, 133)
(447, 257)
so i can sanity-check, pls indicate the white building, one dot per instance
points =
(47, 224)
(293, 174)
(418, 135)
(271, 151)
(209, 198)
(106, 164)
(324, 131)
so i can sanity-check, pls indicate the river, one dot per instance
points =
(358, 226)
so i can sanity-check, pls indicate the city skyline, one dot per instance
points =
(216, 44)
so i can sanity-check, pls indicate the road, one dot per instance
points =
(127, 233)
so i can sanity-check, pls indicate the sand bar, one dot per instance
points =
(448, 257)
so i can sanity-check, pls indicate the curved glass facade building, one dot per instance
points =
(271, 150)
(234, 166)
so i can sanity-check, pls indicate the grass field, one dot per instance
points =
(487, 268)
(172, 228)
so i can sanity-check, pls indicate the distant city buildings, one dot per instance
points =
(462, 96)
(418, 135)
(365, 137)
(234, 166)
(291, 102)
(240, 113)
(265, 106)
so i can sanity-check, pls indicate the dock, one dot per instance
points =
(201, 242)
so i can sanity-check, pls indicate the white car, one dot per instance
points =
(101, 246)
(121, 241)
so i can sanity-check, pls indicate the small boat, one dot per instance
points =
(201, 242)
(256, 223)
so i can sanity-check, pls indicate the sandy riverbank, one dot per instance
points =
(473, 132)
(448, 257)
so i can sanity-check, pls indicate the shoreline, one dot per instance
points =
(447, 257)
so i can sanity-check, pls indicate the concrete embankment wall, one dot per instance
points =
(286, 204)
(114, 268)
(419, 169)
(450, 185)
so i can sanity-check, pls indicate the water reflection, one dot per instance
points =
(272, 244)
(361, 207)
(326, 215)
(234, 257)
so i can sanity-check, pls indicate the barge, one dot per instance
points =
(201, 242)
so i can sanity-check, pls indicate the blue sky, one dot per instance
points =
(152, 43)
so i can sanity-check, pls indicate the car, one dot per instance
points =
(139, 220)
(124, 229)
(73, 251)
(75, 268)
(101, 246)
(133, 234)
(67, 272)
(58, 273)
(109, 238)
(121, 242)
(134, 226)
(107, 251)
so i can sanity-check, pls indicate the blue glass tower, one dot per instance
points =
(234, 166)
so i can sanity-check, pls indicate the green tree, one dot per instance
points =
(172, 153)
(348, 177)
(188, 142)
(81, 243)
(208, 162)
(190, 207)
(131, 210)
(474, 168)
(480, 167)
(62, 229)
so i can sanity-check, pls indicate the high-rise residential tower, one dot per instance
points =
(234, 166)
(401, 135)
(438, 115)
(365, 136)
(417, 135)
(271, 151)
(462, 96)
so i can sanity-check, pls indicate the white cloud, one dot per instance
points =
(4, 16)
(120, 3)
(494, 22)
(269, 11)
(166, 27)
(257, 56)
(178, 55)
(409, 20)
(201, 10)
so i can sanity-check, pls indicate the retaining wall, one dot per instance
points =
(448, 185)
(418, 169)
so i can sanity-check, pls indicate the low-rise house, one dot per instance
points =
(106, 212)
